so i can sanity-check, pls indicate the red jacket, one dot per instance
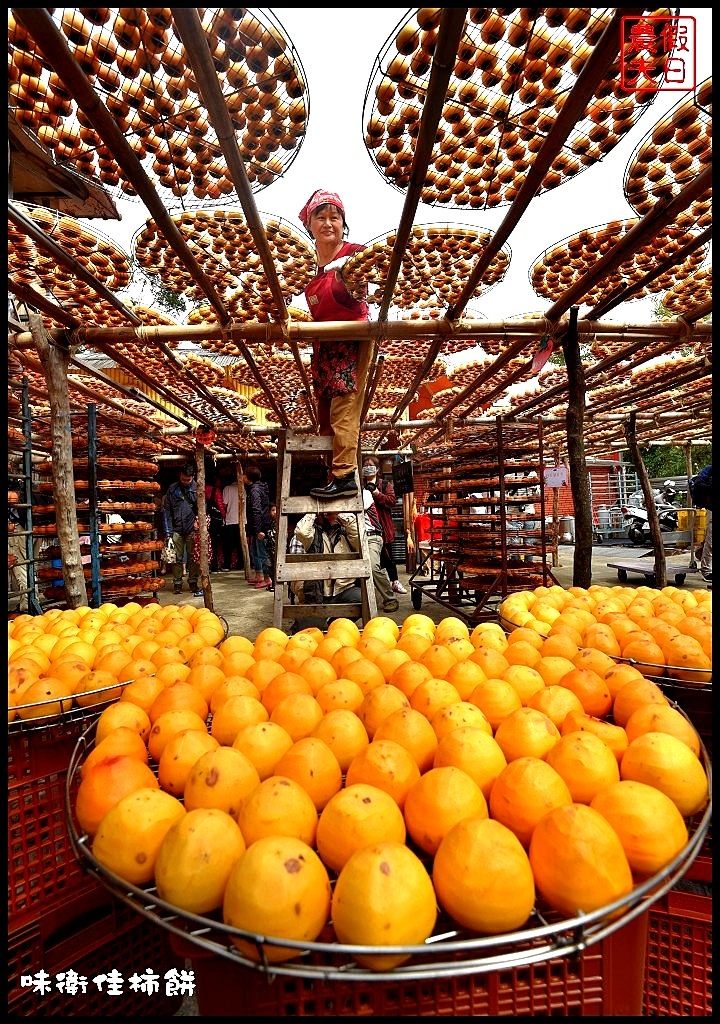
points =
(215, 493)
(329, 299)
(385, 501)
(334, 364)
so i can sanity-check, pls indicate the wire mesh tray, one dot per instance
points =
(94, 702)
(45, 718)
(507, 624)
(449, 952)
(693, 678)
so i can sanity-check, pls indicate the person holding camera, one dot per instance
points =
(383, 493)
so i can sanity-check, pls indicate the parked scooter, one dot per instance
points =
(636, 516)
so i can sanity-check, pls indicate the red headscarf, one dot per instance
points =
(319, 198)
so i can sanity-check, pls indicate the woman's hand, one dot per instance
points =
(337, 264)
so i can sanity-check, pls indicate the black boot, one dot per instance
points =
(336, 488)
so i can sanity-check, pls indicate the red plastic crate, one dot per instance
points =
(701, 868)
(696, 701)
(42, 867)
(91, 935)
(678, 970)
(562, 987)
(39, 749)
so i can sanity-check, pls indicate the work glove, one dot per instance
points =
(337, 264)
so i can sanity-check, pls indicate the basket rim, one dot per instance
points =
(660, 672)
(447, 953)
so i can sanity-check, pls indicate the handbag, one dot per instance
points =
(216, 516)
(168, 553)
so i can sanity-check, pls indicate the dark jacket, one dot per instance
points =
(385, 500)
(180, 508)
(258, 517)
(701, 488)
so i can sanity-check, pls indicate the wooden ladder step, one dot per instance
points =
(339, 609)
(315, 566)
(296, 442)
(300, 504)
(310, 567)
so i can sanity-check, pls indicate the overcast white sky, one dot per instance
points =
(337, 48)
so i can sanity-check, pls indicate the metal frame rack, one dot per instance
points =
(487, 537)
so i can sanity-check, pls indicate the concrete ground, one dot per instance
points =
(247, 611)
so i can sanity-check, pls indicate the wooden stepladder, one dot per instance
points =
(313, 566)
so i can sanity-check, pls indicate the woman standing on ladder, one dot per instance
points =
(339, 368)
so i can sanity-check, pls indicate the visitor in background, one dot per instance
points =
(215, 508)
(231, 544)
(702, 496)
(386, 600)
(258, 522)
(383, 492)
(180, 510)
(421, 529)
(271, 544)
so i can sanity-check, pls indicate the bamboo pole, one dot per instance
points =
(54, 360)
(364, 330)
(592, 73)
(187, 22)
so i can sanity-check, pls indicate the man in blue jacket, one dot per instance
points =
(702, 496)
(180, 511)
(259, 524)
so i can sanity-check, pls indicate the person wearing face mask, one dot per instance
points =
(339, 368)
(383, 493)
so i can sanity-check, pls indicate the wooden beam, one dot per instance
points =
(56, 52)
(592, 73)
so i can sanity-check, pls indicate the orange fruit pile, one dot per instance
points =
(69, 658)
(668, 632)
(399, 753)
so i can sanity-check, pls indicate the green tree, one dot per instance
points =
(669, 460)
(164, 298)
